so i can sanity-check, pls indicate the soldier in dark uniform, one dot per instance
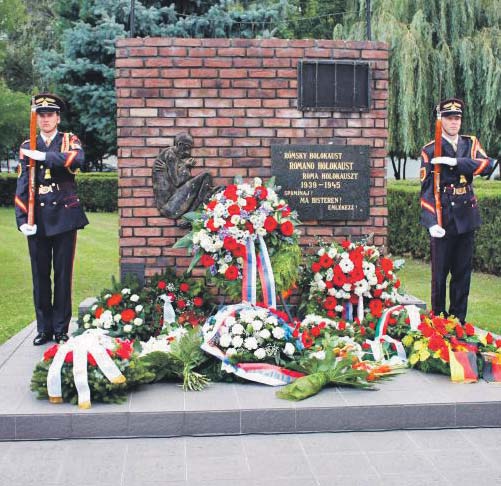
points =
(58, 214)
(452, 242)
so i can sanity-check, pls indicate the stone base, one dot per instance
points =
(413, 400)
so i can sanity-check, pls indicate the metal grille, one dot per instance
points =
(333, 85)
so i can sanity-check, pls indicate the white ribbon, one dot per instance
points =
(169, 313)
(95, 342)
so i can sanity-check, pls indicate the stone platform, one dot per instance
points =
(409, 401)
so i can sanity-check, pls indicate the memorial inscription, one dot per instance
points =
(324, 182)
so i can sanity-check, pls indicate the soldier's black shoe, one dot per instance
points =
(42, 338)
(61, 337)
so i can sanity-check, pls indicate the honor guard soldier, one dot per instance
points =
(449, 208)
(57, 215)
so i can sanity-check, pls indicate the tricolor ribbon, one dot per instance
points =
(95, 342)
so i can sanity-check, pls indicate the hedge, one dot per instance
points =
(407, 237)
(98, 191)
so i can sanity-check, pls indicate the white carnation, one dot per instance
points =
(86, 325)
(321, 251)
(289, 349)
(127, 328)
(261, 232)
(250, 343)
(320, 355)
(117, 317)
(257, 325)
(265, 334)
(93, 308)
(260, 353)
(332, 252)
(225, 340)
(231, 351)
(86, 318)
(278, 333)
(237, 329)
(134, 298)
(237, 341)
(125, 291)
(138, 308)
(138, 321)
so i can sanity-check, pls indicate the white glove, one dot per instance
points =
(28, 230)
(445, 161)
(34, 154)
(436, 231)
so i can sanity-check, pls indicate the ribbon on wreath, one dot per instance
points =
(94, 342)
(168, 310)
(259, 372)
(382, 336)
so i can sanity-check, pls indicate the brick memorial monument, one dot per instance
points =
(311, 112)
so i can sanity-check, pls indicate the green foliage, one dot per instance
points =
(135, 371)
(98, 192)
(404, 210)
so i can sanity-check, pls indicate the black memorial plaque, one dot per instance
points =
(323, 182)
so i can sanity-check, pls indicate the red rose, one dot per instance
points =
(397, 284)
(211, 205)
(330, 302)
(51, 352)
(331, 314)
(115, 299)
(346, 244)
(376, 307)
(184, 287)
(325, 261)
(198, 302)
(286, 211)
(307, 340)
(341, 325)
(99, 312)
(372, 325)
(498, 343)
(231, 192)
(250, 204)
(231, 272)
(469, 329)
(171, 296)
(234, 209)
(127, 315)
(270, 224)
(181, 304)
(459, 331)
(329, 284)
(124, 349)
(261, 192)
(210, 225)
(489, 339)
(315, 267)
(386, 265)
(362, 330)
(229, 243)
(161, 285)
(239, 251)
(287, 228)
(249, 227)
(425, 330)
(366, 346)
(207, 260)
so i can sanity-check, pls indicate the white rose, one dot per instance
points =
(278, 333)
(257, 325)
(86, 325)
(237, 329)
(127, 328)
(265, 334)
(332, 252)
(321, 285)
(231, 351)
(338, 308)
(125, 291)
(117, 317)
(225, 340)
(138, 321)
(250, 343)
(86, 318)
(237, 341)
(134, 297)
(257, 182)
(107, 296)
(107, 325)
(94, 307)
(260, 353)
(289, 349)
(320, 355)
(138, 308)
(230, 321)
(321, 251)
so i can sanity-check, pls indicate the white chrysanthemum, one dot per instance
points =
(329, 275)
(106, 325)
(134, 298)
(321, 285)
(332, 292)
(231, 351)
(241, 202)
(262, 313)
(161, 343)
(138, 321)
(222, 268)
(346, 265)
(117, 317)
(225, 340)
(127, 328)
(260, 353)
(372, 281)
(219, 210)
(237, 329)
(235, 219)
(125, 291)
(97, 323)
(250, 343)
(106, 316)
(230, 321)
(289, 349)
(138, 308)
(247, 316)
(278, 332)
(237, 341)
(86, 318)
(264, 333)
(257, 325)
(317, 277)
(361, 287)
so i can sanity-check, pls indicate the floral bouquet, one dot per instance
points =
(122, 313)
(106, 379)
(221, 231)
(343, 276)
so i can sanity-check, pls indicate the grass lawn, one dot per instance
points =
(484, 304)
(96, 260)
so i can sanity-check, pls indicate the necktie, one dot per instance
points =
(47, 142)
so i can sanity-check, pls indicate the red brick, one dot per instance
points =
(189, 103)
(290, 132)
(374, 54)
(288, 114)
(231, 112)
(174, 112)
(131, 142)
(203, 112)
(247, 62)
(260, 52)
(145, 152)
(160, 103)
(219, 122)
(247, 122)
(232, 93)
(274, 62)
(274, 122)
(204, 73)
(261, 132)
(317, 52)
(263, 152)
(232, 132)
(213, 142)
(231, 52)
(218, 62)
(232, 152)
(158, 62)
(144, 73)
(276, 103)
(204, 93)
(217, 103)
(190, 122)
(127, 62)
(286, 73)
(187, 83)
(128, 82)
(216, 83)
(174, 93)
(205, 152)
(260, 112)
(274, 83)
(145, 212)
(187, 42)
(129, 102)
(245, 83)
(157, 83)
(375, 132)
(132, 241)
(287, 93)
(248, 102)
(173, 52)
(295, 52)
(143, 51)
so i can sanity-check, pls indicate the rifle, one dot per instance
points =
(436, 170)
(32, 165)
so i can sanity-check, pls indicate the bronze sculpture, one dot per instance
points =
(176, 190)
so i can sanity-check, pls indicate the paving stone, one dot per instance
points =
(92, 425)
(391, 462)
(271, 467)
(43, 426)
(268, 421)
(214, 446)
(218, 468)
(315, 444)
(212, 422)
(156, 424)
(274, 445)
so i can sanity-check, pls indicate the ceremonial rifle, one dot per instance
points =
(436, 169)
(32, 165)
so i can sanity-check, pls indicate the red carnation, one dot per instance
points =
(261, 192)
(99, 312)
(198, 302)
(366, 346)
(489, 339)
(115, 299)
(125, 349)
(184, 287)
(161, 285)
(287, 228)
(397, 284)
(171, 296)
(315, 331)
(425, 330)
(229, 243)
(181, 304)
(210, 225)
(239, 251)
(270, 224)
(51, 352)
(459, 331)
(345, 244)
(315, 267)
(342, 325)
(386, 265)
(498, 343)
(286, 211)
(307, 340)
(250, 203)
(249, 227)
(212, 204)
(207, 260)
(376, 307)
(234, 209)
(231, 272)
(325, 261)
(330, 302)
(231, 192)
(127, 315)
(469, 329)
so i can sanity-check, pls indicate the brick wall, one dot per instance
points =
(235, 97)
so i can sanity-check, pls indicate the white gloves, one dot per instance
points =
(445, 161)
(436, 231)
(28, 230)
(34, 154)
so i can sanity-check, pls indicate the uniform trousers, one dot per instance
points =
(58, 251)
(451, 254)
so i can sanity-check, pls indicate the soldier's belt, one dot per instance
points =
(456, 191)
(46, 189)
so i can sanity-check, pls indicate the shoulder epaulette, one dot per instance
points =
(26, 141)
(472, 137)
(429, 143)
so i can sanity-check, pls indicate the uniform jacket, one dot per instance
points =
(57, 206)
(460, 210)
